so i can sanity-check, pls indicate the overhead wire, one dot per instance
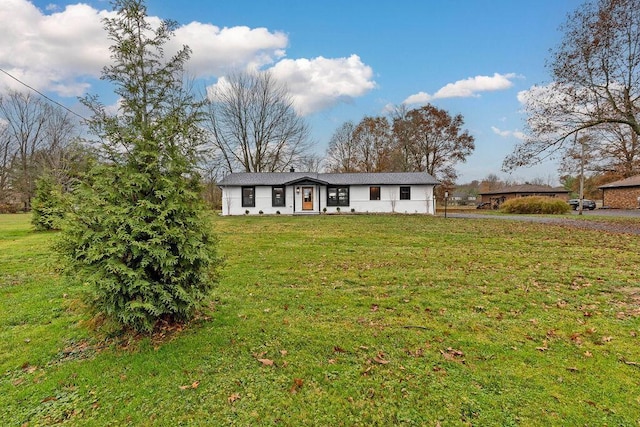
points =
(43, 95)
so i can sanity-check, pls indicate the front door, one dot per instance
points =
(307, 198)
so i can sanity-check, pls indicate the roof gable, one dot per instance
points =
(305, 180)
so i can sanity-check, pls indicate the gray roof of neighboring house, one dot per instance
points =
(633, 181)
(281, 178)
(527, 188)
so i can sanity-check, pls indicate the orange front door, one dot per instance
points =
(307, 198)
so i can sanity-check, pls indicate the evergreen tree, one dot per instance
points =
(49, 205)
(138, 232)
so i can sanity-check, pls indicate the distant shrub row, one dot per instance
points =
(535, 205)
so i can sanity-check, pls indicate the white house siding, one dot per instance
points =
(422, 200)
(232, 201)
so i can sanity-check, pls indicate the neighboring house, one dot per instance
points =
(314, 193)
(623, 194)
(497, 197)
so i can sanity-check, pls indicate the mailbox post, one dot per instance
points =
(446, 199)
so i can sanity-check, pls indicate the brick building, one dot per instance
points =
(623, 194)
(497, 197)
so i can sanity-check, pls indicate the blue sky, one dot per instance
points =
(343, 59)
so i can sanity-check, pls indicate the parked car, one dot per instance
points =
(586, 204)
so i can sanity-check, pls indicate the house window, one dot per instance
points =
(374, 193)
(248, 197)
(337, 196)
(405, 193)
(278, 196)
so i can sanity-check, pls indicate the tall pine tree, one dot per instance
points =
(138, 233)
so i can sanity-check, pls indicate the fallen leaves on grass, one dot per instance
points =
(575, 337)
(453, 355)
(297, 385)
(544, 346)
(231, 399)
(380, 359)
(29, 369)
(260, 358)
(193, 385)
(266, 362)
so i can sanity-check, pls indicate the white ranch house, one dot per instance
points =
(296, 193)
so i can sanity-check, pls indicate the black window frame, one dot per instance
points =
(373, 190)
(339, 202)
(273, 196)
(405, 193)
(252, 204)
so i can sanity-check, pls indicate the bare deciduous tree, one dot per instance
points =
(341, 154)
(6, 156)
(372, 139)
(620, 151)
(401, 134)
(26, 117)
(35, 137)
(425, 139)
(596, 69)
(365, 147)
(309, 163)
(253, 125)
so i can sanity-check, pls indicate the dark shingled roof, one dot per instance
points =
(633, 181)
(281, 178)
(527, 188)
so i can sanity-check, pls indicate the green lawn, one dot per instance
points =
(344, 320)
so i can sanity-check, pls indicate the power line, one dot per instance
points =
(43, 95)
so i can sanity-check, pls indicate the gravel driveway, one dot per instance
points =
(571, 220)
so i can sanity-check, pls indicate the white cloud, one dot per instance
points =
(418, 98)
(217, 51)
(64, 52)
(509, 133)
(504, 133)
(466, 88)
(61, 51)
(319, 83)
(52, 52)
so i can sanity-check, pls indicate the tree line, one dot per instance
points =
(36, 138)
(246, 124)
(426, 139)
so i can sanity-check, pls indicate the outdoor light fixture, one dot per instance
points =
(298, 190)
